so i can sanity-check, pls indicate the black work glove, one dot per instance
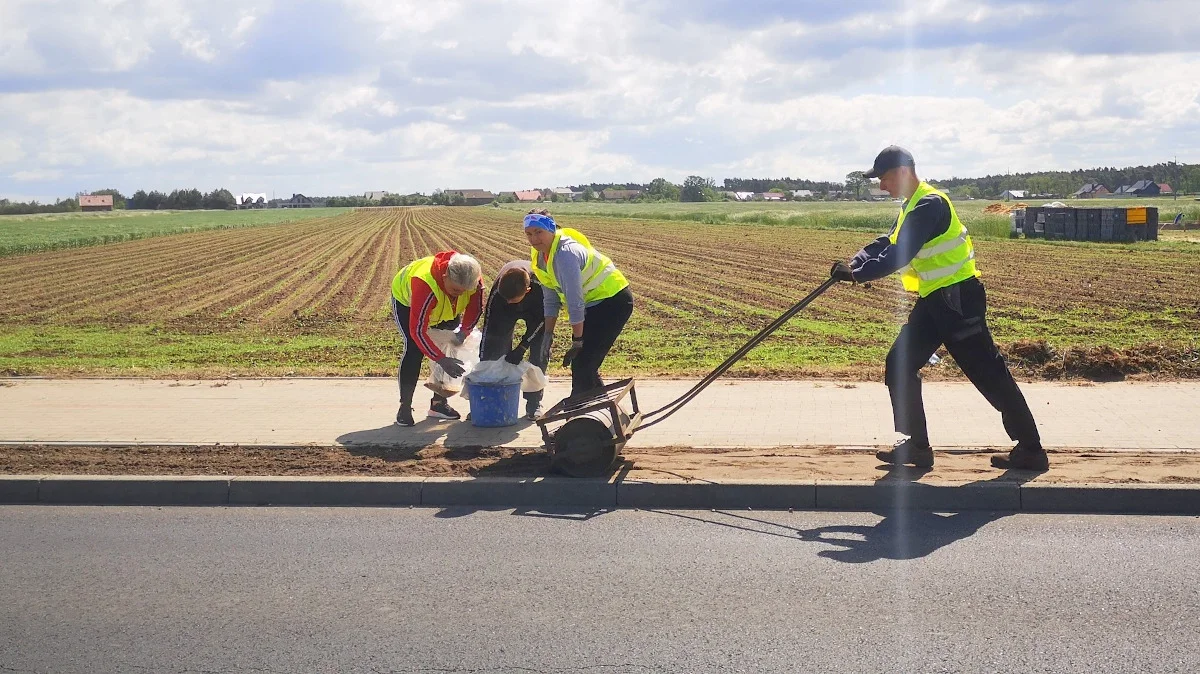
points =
(516, 355)
(453, 367)
(841, 271)
(576, 347)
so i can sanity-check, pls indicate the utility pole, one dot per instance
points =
(1175, 187)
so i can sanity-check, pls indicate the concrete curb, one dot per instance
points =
(557, 492)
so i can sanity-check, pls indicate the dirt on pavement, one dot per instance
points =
(684, 463)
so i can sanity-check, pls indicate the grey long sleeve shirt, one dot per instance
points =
(569, 262)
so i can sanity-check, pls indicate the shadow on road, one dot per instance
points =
(902, 534)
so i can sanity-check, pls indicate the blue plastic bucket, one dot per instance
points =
(494, 404)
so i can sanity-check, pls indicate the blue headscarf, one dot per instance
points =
(541, 221)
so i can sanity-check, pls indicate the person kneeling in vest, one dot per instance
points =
(931, 249)
(516, 295)
(441, 291)
(595, 292)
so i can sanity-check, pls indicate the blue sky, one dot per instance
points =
(324, 97)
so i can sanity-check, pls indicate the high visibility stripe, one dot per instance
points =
(599, 278)
(943, 272)
(944, 247)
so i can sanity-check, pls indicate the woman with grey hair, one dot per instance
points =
(440, 291)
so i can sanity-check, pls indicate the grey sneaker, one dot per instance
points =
(533, 409)
(907, 452)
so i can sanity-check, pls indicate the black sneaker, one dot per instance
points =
(1022, 458)
(443, 410)
(907, 452)
(404, 416)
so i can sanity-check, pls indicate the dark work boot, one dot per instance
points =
(1023, 457)
(533, 405)
(404, 416)
(908, 452)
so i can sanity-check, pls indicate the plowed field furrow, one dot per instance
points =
(492, 246)
(424, 243)
(310, 264)
(34, 267)
(129, 282)
(708, 283)
(334, 274)
(227, 284)
(373, 277)
(342, 283)
(60, 285)
(127, 293)
(413, 247)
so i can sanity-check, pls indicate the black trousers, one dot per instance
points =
(500, 324)
(410, 359)
(601, 326)
(954, 316)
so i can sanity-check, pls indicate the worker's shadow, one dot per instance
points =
(570, 513)
(903, 533)
(460, 438)
(906, 533)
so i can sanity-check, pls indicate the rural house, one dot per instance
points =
(1165, 188)
(1090, 191)
(1142, 188)
(879, 195)
(771, 196)
(566, 194)
(802, 194)
(1009, 195)
(474, 197)
(743, 196)
(299, 201)
(98, 202)
(528, 195)
(251, 200)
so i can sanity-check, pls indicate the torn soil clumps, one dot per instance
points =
(1102, 363)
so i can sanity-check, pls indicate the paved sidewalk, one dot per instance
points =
(728, 414)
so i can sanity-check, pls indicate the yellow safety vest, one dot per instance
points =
(447, 307)
(948, 259)
(601, 278)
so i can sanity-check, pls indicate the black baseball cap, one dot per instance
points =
(892, 157)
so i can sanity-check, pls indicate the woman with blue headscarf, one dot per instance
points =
(594, 291)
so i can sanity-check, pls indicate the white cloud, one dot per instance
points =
(317, 97)
(36, 175)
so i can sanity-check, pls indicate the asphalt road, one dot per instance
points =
(376, 590)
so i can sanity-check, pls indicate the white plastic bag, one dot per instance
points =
(501, 372)
(468, 352)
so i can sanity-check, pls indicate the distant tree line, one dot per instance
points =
(181, 200)
(31, 207)
(782, 184)
(1184, 178)
(387, 200)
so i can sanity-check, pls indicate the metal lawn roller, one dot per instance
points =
(584, 435)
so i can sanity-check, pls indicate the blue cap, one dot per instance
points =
(541, 221)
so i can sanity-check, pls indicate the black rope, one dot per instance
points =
(757, 339)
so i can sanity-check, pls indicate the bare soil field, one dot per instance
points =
(311, 298)
(669, 463)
